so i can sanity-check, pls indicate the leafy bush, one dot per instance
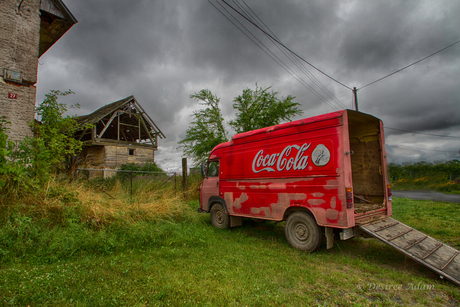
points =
(26, 166)
(136, 168)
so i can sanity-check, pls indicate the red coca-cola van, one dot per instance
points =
(318, 174)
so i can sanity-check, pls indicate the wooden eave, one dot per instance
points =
(55, 21)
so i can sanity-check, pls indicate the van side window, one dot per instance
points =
(213, 169)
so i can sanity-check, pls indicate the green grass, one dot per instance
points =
(187, 262)
(438, 219)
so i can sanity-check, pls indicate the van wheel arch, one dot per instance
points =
(291, 210)
(216, 200)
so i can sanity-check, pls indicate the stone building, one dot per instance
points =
(120, 133)
(28, 28)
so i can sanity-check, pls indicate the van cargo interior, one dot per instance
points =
(366, 162)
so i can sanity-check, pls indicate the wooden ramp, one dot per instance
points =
(433, 254)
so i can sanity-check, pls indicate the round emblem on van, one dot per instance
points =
(320, 155)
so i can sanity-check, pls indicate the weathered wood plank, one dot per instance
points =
(408, 239)
(424, 248)
(453, 269)
(393, 231)
(440, 257)
(381, 225)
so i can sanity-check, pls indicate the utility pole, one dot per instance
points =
(355, 92)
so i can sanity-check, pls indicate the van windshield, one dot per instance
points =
(213, 169)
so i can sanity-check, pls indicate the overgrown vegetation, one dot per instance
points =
(444, 177)
(27, 166)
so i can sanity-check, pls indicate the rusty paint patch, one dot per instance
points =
(235, 203)
(284, 202)
(316, 201)
(332, 214)
(257, 187)
(333, 202)
(331, 184)
(262, 211)
(277, 186)
(317, 194)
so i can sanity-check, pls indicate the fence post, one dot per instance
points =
(131, 183)
(184, 174)
(175, 183)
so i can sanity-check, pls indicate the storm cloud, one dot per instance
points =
(163, 51)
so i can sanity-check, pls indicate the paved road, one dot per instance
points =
(429, 195)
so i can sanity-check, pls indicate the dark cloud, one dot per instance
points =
(163, 51)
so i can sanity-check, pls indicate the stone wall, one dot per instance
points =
(114, 156)
(19, 42)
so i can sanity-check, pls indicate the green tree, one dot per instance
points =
(261, 108)
(257, 109)
(30, 162)
(207, 128)
(54, 131)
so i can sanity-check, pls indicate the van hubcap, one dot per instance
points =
(219, 217)
(301, 232)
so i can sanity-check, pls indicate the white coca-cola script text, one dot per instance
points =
(281, 161)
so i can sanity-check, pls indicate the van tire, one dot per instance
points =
(302, 232)
(219, 217)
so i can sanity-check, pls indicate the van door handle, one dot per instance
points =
(217, 183)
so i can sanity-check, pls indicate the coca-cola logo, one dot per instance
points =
(292, 157)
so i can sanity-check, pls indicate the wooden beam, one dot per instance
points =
(151, 122)
(84, 132)
(122, 143)
(129, 125)
(146, 128)
(108, 124)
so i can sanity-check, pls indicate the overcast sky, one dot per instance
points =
(163, 51)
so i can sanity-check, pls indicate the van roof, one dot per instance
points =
(290, 124)
(240, 138)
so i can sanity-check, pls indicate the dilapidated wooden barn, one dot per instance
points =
(120, 133)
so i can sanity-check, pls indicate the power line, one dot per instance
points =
(284, 46)
(270, 53)
(276, 40)
(411, 64)
(449, 151)
(416, 132)
(293, 59)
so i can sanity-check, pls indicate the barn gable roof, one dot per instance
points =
(122, 121)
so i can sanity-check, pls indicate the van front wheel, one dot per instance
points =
(219, 218)
(302, 232)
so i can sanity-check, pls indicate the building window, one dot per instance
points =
(131, 152)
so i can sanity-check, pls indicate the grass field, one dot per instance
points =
(184, 261)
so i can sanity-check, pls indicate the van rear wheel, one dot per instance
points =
(302, 232)
(219, 218)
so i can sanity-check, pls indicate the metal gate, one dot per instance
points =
(431, 253)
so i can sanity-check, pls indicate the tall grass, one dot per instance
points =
(69, 219)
